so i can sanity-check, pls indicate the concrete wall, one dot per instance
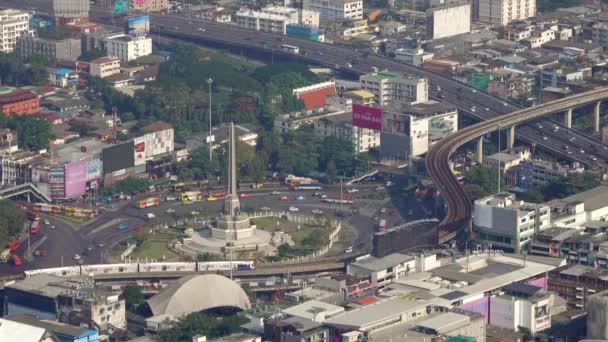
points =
(449, 21)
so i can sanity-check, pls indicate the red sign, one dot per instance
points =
(141, 147)
(367, 117)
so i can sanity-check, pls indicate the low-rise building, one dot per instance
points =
(506, 160)
(314, 310)
(382, 270)
(275, 18)
(390, 87)
(294, 329)
(15, 101)
(315, 95)
(15, 331)
(63, 78)
(69, 300)
(335, 10)
(54, 50)
(104, 66)
(150, 5)
(63, 332)
(509, 224)
(128, 48)
(580, 209)
(533, 173)
(521, 305)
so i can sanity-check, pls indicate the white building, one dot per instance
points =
(275, 18)
(413, 56)
(579, 209)
(391, 87)
(335, 10)
(104, 66)
(502, 12)
(128, 48)
(521, 305)
(507, 223)
(340, 126)
(12, 24)
(71, 9)
(409, 131)
(449, 20)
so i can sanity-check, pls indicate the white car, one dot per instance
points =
(150, 216)
(201, 29)
(76, 256)
(293, 209)
(353, 190)
(317, 211)
(171, 198)
(349, 249)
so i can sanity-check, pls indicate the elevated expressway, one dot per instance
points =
(460, 206)
(349, 60)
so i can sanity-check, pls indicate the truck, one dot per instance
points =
(150, 216)
(5, 255)
(34, 227)
(16, 260)
(13, 245)
(191, 196)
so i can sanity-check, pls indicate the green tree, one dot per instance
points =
(34, 133)
(202, 324)
(129, 185)
(485, 177)
(12, 220)
(82, 129)
(533, 196)
(331, 171)
(133, 297)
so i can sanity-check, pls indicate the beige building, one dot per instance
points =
(150, 5)
(335, 10)
(275, 18)
(389, 87)
(502, 12)
(128, 48)
(105, 66)
(340, 126)
(12, 24)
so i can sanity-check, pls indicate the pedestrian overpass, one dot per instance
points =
(27, 189)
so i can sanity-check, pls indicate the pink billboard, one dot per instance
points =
(367, 117)
(75, 178)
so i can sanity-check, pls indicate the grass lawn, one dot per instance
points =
(310, 237)
(76, 219)
(153, 249)
(270, 223)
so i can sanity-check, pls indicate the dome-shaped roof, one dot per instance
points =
(197, 293)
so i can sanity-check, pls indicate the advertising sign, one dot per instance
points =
(93, 169)
(138, 25)
(56, 178)
(117, 157)
(139, 150)
(121, 7)
(75, 178)
(367, 117)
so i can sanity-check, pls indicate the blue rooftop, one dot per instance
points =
(63, 72)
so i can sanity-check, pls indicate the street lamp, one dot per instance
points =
(210, 140)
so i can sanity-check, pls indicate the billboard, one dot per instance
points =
(121, 7)
(117, 157)
(367, 117)
(93, 169)
(75, 178)
(57, 180)
(139, 150)
(138, 25)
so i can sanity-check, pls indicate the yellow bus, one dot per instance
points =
(191, 196)
(5, 255)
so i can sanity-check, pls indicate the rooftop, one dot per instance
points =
(50, 285)
(372, 263)
(157, 126)
(389, 75)
(55, 327)
(423, 109)
(312, 308)
(373, 314)
(79, 150)
(15, 331)
(594, 199)
(445, 323)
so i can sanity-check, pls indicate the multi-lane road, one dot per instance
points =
(459, 205)
(346, 59)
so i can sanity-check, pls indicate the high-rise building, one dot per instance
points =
(502, 12)
(390, 87)
(68, 10)
(332, 10)
(12, 24)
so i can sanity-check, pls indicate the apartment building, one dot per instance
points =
(507, 223)
(335, 10)
(502, 12)
(522, 305)
(599, 34)
(105, 66)
(12, 24)
(275, 18)
(150, 5)
(128, 48)
(341, 126)
(390, 87)
(66, 50)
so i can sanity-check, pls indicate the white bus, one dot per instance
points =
(290, 48)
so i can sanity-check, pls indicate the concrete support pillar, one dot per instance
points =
(511, 137)
(596, 117)
(479, 156)
(452, 166)
(568, 118)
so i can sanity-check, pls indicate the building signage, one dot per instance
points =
(367, 117)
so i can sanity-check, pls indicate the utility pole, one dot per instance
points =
(210, 140)
(499, 166)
